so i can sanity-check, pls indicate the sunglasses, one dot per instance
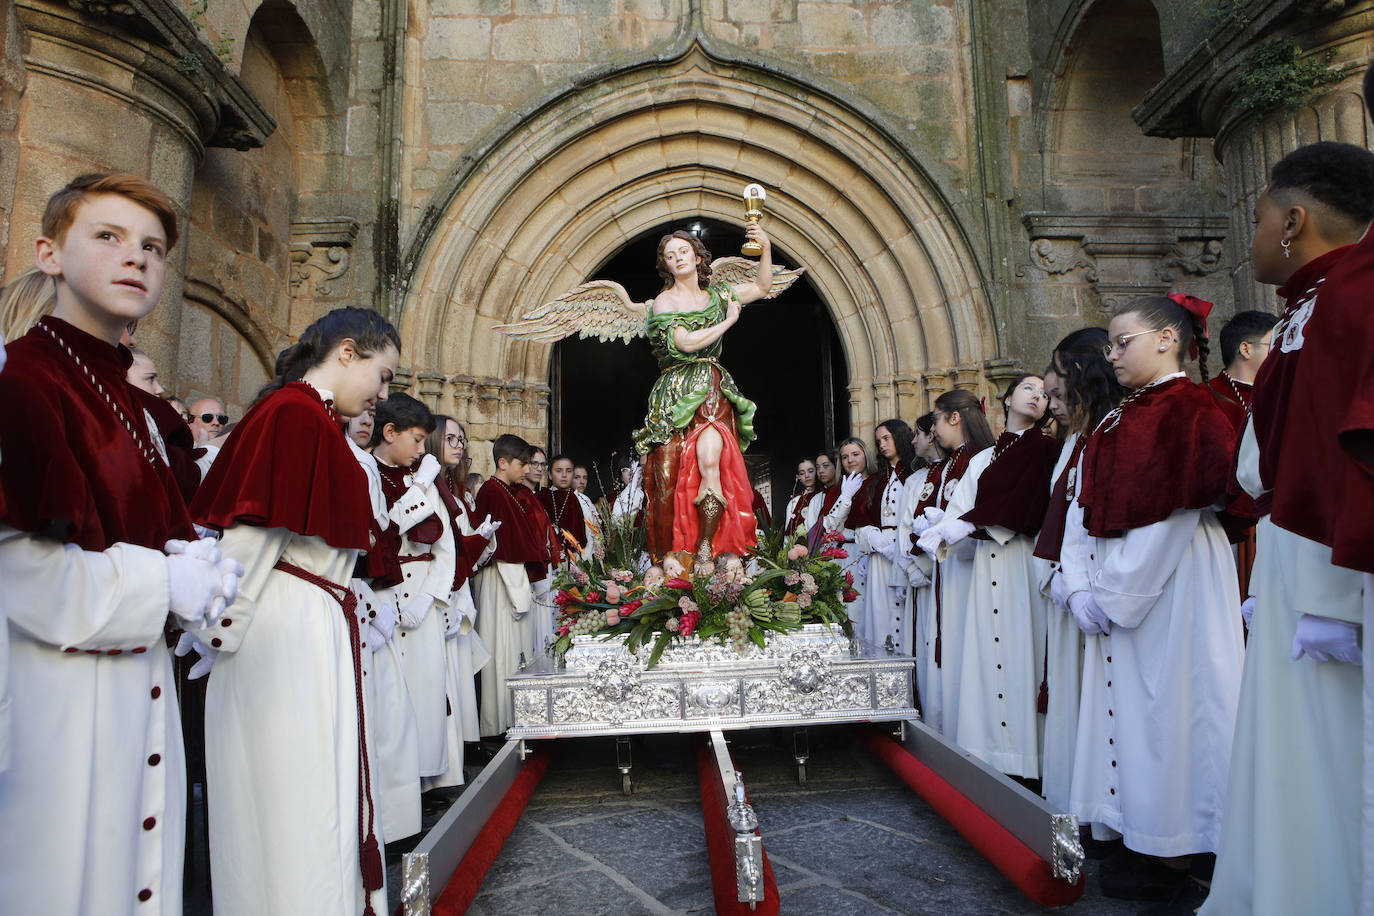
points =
(223, 418)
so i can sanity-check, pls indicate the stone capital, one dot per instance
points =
(149, 56)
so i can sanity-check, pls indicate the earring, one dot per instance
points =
(1162, 349)
(1287, 247)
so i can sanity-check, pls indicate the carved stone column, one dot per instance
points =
(1202, 97)
(431, 389)
(124, 85)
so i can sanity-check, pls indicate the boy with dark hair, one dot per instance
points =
(414, 564)
(92, 808)
(1245, 342)
(514, 584)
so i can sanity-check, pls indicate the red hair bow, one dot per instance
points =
(1199, 309)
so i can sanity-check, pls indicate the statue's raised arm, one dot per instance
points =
(599, 308)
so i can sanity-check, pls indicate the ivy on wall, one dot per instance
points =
(1277, 77)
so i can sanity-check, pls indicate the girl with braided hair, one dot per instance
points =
(1148, 570)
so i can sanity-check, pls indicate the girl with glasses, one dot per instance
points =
(464, 652)
(1148, 570)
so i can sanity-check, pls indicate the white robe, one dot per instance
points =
(506, 626)
(1158, 708)
(281, 737)
(1291, 839)
(856, 564)
(391, 738)
(1002, 644)
(391, 742)
(954, 577)
(1063, 674)
(465, 654)
(884, 615)
(93, 806)
(920, 602)
(421, 647)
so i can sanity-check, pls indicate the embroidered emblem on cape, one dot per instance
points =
(156, 436)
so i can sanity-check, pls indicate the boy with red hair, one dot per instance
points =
(92, 808)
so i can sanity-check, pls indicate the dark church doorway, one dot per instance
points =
(784, 354)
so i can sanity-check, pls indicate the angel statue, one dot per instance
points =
(697, 492)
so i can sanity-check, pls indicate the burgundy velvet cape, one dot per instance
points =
(1169, 449)
(71, 471)
(1014, 490)
(287, 465)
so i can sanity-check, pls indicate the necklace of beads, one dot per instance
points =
(1235, 388)
(144, 446)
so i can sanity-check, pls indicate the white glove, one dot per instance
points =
(374, 638)
(916, 575)
(428, 470)
(414, 611)
(882, 544)
(1057, 590)
(920, 525)
(955, 530)
(861, 536)
(850, 485)
(387, 616)
(1327, 640)
(200, 590)
(1090, 618)
(203, 533)
(931, 540)
(487, 528)
(933, 515)
(189, 641)
(1247, 610)
(455, 627)
(637, 476)
(206, 548)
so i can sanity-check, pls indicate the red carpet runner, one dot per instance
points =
(720, 847)
(472, 871)
(1030, 873)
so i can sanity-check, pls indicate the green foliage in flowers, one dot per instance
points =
(789, 588)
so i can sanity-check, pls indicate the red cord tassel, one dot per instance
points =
(1042, 702)
(373, 872)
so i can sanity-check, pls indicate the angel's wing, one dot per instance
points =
(743, 270)
(600, 309)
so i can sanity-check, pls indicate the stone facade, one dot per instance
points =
(965, 180)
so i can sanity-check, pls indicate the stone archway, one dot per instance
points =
(575, 181)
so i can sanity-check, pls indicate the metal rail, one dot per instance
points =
(739, 814)
(426, 871)
(1050, 834)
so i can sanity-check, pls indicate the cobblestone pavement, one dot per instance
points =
(853, 840)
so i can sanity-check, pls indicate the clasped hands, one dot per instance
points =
(201, 583)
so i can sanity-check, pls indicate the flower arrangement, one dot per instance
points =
(790, 587)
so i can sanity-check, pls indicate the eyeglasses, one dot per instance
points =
(1120, 343)
(223, 418)
(453, 439)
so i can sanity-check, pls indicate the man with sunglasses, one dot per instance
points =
(208, 419)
